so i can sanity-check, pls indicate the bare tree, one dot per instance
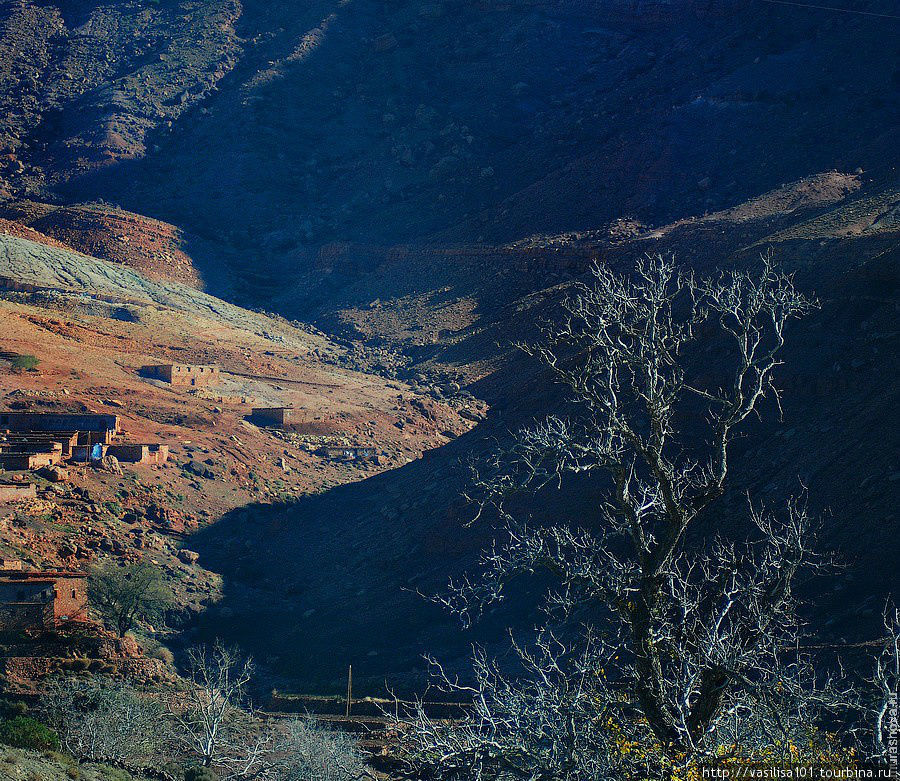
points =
(214, 724)
(305, 750)
(101, 720)
(685, 654)
(212, 721)
(885, 711)
(124, 596)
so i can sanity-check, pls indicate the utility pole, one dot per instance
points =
(349, 688)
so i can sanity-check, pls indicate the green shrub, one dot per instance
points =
(200, 774)
(163, 654)
(25, 362)
(26, 732)
(114, 773)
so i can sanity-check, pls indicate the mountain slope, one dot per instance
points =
(92, 325)
(345, 592)
(457, 122)
(425, 181)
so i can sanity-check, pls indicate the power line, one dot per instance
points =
(832, 8)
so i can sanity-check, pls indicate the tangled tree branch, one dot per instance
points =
(696, 637)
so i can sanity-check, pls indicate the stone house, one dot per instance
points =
(271, 416)
(183, 374)
(41, 599)
(97, 427)
(17, 459)
(139, 453)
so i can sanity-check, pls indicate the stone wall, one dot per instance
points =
(271, 416)
(16, 493)
(71, 598)
(20, 616)
(184, 374)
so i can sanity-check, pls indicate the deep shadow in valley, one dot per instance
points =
(331, 580)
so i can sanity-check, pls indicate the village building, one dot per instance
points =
(39, 441)
(34, 440)
(183, 374)
(24, 462)
(40, 599)
(271, 416)
(347, 452)
(139, 453)
(29, 453)
(93, 426)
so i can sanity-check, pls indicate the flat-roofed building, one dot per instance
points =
(41, 599)
(271, 416)
(98, 426)
(183, 374)
(139, 453)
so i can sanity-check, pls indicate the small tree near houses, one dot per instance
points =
(123, 596)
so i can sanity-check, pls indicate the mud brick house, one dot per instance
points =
(40, 599)
(347, 452)
(88, 426)
(271, 416)
(139, 453)
(31, 440)
(31, 455)
(37, 442)
(183, 374)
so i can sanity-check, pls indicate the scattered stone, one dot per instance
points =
(200, 470)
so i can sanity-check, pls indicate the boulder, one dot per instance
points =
(55, 474)
(188, 556)
(111, 464)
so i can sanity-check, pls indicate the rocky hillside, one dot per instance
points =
(83, 84)
(270, 132)
(92, 325)
(349, 595)
(21, 765)
(424, 181)
(151, 247)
